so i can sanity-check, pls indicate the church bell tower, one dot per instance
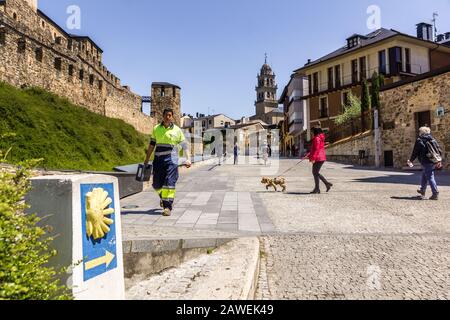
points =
(266, 91)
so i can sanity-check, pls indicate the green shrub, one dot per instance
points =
(351, 111)
(24, 247)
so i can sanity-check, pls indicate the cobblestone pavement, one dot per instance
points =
(369, 238)
(310, 267)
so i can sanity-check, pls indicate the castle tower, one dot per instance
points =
(166, 95)
(266, 91)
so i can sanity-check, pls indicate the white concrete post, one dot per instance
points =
(377, 140)
(84, 211)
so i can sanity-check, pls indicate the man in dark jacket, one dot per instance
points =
(421, 152)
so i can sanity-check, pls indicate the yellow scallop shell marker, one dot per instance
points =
(97, 208)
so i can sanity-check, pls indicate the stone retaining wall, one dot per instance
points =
(347, 151)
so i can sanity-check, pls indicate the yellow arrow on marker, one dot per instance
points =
(106, 259)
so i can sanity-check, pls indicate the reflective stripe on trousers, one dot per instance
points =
(165, 177)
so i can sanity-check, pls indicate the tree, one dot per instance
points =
(365, 104)
(352, 110)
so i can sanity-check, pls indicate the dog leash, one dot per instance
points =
(290, 169)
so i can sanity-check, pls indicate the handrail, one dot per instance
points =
(358, 77)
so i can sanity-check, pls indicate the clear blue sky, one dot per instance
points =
(213, 49)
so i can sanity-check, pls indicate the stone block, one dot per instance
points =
(73, 204)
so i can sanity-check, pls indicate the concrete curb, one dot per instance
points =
(251, 281)
(160, 246)
(229, 273)
(144, 257)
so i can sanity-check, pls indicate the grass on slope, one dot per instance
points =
(65, 135)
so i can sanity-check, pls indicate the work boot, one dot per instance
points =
(435, 197)
(167, 212)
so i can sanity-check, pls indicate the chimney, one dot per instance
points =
(425, 31)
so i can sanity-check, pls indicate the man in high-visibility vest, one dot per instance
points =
(165, 142)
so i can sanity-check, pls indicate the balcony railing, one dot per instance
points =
(357, 78)
(351, 128)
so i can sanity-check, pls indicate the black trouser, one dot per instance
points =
(317, 176)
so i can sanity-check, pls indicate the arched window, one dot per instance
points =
(15, 16)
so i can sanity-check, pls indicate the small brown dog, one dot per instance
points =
(274, 182)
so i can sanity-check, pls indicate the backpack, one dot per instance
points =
(434, 153)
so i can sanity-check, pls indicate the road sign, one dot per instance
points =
(98, 229)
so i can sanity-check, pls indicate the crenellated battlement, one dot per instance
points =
(35, 51)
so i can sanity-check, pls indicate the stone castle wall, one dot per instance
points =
(34, 51)
(399, 106)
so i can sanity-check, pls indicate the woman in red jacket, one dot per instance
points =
(318, 157)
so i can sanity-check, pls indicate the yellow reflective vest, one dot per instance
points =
(166, 139)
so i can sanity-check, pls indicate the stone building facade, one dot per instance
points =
(407, 107)
(35, 51)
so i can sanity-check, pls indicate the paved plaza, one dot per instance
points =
(371, 237)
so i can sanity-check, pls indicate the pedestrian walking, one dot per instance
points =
(318, 157)
(265, 152)
(429, 153)
(164, 146)
(236, 154)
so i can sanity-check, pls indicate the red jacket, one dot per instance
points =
(317, 152)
